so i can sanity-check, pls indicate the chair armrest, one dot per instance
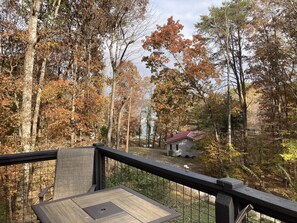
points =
(92, 188)
(43, 192)
(243, 213)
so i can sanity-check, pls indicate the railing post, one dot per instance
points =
(99, 168)
(225, 205)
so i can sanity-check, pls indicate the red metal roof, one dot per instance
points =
(184, 135)
(180, 136)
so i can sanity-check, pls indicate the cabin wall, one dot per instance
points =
(183, 146)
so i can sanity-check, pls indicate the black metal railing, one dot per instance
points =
(197, 197)
(22, 176)
(231, 195)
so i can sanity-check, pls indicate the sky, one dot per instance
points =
(188, 12)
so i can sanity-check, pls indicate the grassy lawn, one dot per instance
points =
(159, 155)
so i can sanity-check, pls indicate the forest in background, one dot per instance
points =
(235, 79)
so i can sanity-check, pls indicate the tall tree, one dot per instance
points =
(273, 70)
(44, 47)
(182, 70)
(227, 27)
(81, 26)
(28, 75)
(274, 64)
(129, 84)
(125, 28)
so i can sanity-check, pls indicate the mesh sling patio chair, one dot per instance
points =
(74, 173)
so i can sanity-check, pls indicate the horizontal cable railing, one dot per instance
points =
(197, 197)
(194, 205)
(19, 187)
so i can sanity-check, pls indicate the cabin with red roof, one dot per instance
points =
(181, 143)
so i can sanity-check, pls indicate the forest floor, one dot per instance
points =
(160, 155)
(271, 180)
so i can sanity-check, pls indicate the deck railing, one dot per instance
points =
(197, 197)
(22, 176)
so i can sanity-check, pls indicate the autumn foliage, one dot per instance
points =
(81, 88)
(182, 71)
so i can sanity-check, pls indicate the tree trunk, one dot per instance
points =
(166, 132)
(160, 139)
(28, 77)
(229, 140)
(279, 111)
(119, 124)
(155, 134)
(26, 118)
(140, 130)
(111, 112)
(73, 121)
(9, 209)
(113, 62)
(128, 122)
(244, 123)
(37, 105)
(73, 108)
(148, 127)
(243, 93)
(7, 191)
(149, 136)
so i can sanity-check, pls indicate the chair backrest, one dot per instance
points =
(74, 172)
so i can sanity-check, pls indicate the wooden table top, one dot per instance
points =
(118, 204)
